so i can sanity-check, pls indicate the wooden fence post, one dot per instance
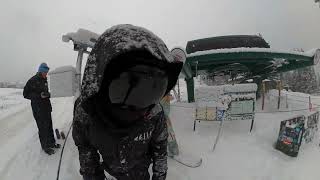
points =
(310, 104)
(279, 88)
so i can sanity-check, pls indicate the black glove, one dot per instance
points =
(45, 95)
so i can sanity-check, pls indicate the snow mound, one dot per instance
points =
(311, 52)
(240, 88)
(221, 96)
(212, 93)
(11, 101)
(208, 96)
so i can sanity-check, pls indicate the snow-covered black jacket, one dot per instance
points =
(33, 89)
(126, 152)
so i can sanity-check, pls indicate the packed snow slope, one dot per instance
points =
(239, 154)
(20, 152)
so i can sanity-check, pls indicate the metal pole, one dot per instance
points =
(252, 122)
(279, 87)
(263, 93)
(78, 72)
(287, 106)
(196, 69)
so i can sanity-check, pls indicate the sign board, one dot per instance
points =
(62, 81)
(290, 136)
(241, 110)
(242, 104)
(242, 107)
(311, 127)
(206, 113)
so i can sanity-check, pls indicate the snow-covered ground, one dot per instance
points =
(20, 152)
(238, 155)
(243, 155)
(11, 101)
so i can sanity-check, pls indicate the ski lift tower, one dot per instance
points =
(82, 40)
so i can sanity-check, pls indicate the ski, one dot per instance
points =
(188, 161)
(221, 118)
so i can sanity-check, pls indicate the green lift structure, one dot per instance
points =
(255, 62)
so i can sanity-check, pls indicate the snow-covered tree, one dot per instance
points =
(302, 80)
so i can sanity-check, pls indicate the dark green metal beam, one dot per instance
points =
(232, 57)
(258, 63)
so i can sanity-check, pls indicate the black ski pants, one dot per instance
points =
(43, 118)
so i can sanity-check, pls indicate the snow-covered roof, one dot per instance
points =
(208, 93)
(238, 50)
(82, 37)
(62, 69)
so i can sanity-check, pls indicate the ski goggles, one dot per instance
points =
(138, 88)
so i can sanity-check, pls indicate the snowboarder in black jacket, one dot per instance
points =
(36, 90)
(118, 116)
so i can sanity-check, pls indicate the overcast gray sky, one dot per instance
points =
(30, 31)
